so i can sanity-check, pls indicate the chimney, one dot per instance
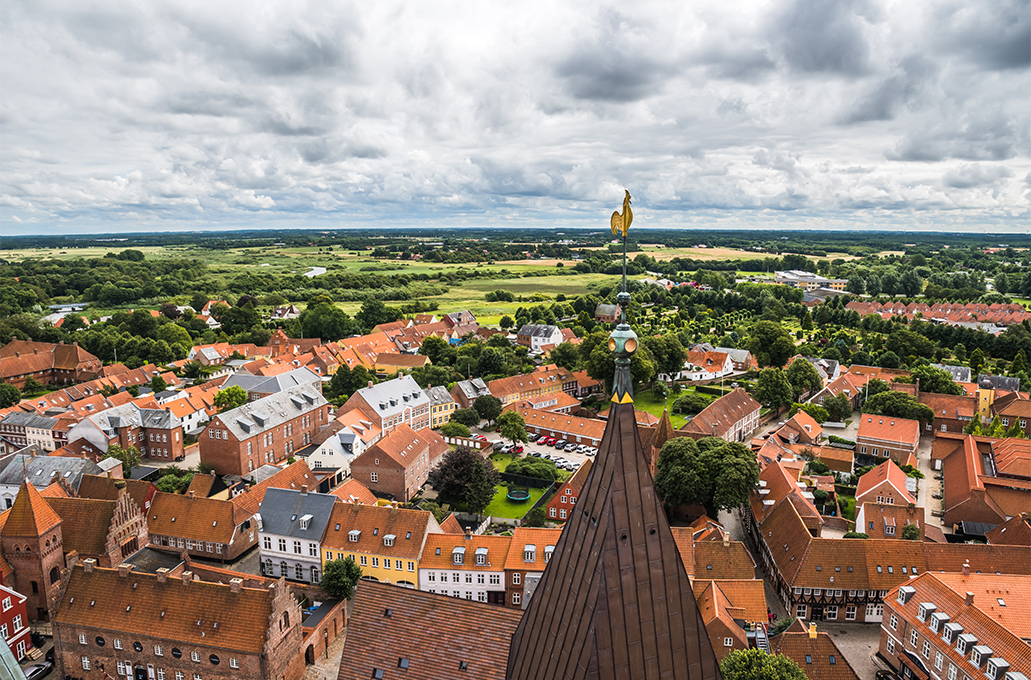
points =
(235, 584)
(812, 630)
(124, 569)
(304, 489)
(88, 565)
(468, 533)
(193, 493)
(162, 575)
(966, 569)
(969, 601)
(187, 577)
(370, 383)
(726, 540)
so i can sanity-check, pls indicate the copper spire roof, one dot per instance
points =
(615, 600)
(30, 515)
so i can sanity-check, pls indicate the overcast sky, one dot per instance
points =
(129, 116)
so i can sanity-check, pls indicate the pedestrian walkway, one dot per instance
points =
(327, 667)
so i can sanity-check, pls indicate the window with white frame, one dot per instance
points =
(516, 598)
(830, 612)
(952, 672)
(234, 662)
(890, 646)
(728, 642)
(373, 476)
(516, 579)
(158, 651)
(893, 622)
(801, 611)
(938, 658)
(85, 663)
(927, 650)
(195, 657)
(913, 637)
(850, 612)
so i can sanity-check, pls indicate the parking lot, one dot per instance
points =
(573, 457)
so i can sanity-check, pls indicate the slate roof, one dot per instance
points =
(960, 374)
(137, 604)
(257, 416)
(1000, 382)
(282, 509)
(42, 470)
(275, 383)
(390, 624)
(615, 600)
(29, 419)
(472, 389)
(392, 397)
(1014, 531)
(537, 331)
(439, 395)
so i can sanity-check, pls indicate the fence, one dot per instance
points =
(474, 444)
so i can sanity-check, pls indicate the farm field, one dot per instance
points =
(720, 254)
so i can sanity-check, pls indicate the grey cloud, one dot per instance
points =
(747, 63)
(993, 33)
(974, 175)
(979, 139)
(902, 88)
(817, 36)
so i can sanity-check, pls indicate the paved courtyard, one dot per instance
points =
(858, 643)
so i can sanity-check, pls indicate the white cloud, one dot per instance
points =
(795, 113)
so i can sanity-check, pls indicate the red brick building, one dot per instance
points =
(887, 437)
(32, 545)
(117, 623)
(564, 500)
(47, 362)
(528, 555)
(951, 412)
(268, 430)
(398, 465)
(108, 531)
(156, 432)
(733, 417)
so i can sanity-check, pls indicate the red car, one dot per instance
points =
(518, 448)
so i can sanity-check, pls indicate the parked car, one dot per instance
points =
(498, 445)
(38, 670)
(550, 441)
(518, 448)
(534, 437)
(505, 448)
(534, 453)
(570, 447)
(581, 449)
(480, 437)
(561, 443)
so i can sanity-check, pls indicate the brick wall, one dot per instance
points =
(230, 456)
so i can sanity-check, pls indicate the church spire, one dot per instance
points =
(615, 600)
(623, 340)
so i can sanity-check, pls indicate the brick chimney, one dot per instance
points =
(304, 489)
(124, 569)
(88, 565)
(468, 534)
(162, 575)
(235, 584)
(370, 383)
(193, 493)
(187, 577)
(812, 630)
(969, 601)
(966, 569)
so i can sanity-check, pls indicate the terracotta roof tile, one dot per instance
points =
(390, 625)
(438, 552)
(138, 604)
(375, 524)
(85, 523)
(404, 445)
(818, 657)
(293, 476)
(887, 472)
(1014, 531)
(353, 491)
(200, 519)
(723, 413)
(30, 514)
(746, 595)
(450, 525)
(719, 560)
(105, 488)
(888, 429)
(524, 536)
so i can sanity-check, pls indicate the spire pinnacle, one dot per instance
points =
(623, 340)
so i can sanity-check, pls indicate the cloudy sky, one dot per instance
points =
(120, 115)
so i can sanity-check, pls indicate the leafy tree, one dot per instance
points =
(1019, 364)
(977, 361)
(781, 625)
(469, 417)
(876, 386)
(170, 311)
(668, 354)
(806, 322)
(855, 534)
(711, 472)
(1002, 283)
(346, 381)
(839, 408)
(911, 283)
(770, 344)
(506, 322)
(440, 352)
(974, 426)
(755, 664)
(935, 380)
(532, 466)
(453, 429)
(905, 342)
(158, 384)
(9, 395)
(131, 458)
(773, 389)
(464, 476)
(374, 312)
(817, 412)
(690, 403)
(803, 377)
(239, 319)
(898, 405)
(32, 386)
(889, 360)
(513, 427)
(856, 285)
(565, 355)
(535, 518)
(339, 577)
(488, 406)
(323, 319)
(491, 362)
(230, 398)
(911, 532)
(440, 512)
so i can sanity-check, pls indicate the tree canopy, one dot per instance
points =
(710, 472)
(230, 398)
(756, 664)
(488, 406)
(804, 378)
(130, 457)
(898, 405)
(465, 477)
(770, 344)
(339, 577)
(773, 388)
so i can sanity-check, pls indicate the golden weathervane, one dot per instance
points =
(621, 222)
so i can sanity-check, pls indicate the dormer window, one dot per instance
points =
(458, 555)
(353, 535)
(548, 550)
(530, 553)
(926, 609)
(388, 540)
(481, 557)
(305, 520)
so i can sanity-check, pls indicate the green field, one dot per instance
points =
(646, 401)
(502, 507)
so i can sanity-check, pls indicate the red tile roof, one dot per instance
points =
(353, 491)
(199, 613)
(888, 429)
(816, 654)
(719, 416)
(433, 634)
(293, 476)
(438, 552)
(1014, 531)
(523, 536)
(887, 472)
(30, 515)
(408, 527)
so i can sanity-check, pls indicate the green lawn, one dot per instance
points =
(646, 401)
(502, 507)
(848, 507)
